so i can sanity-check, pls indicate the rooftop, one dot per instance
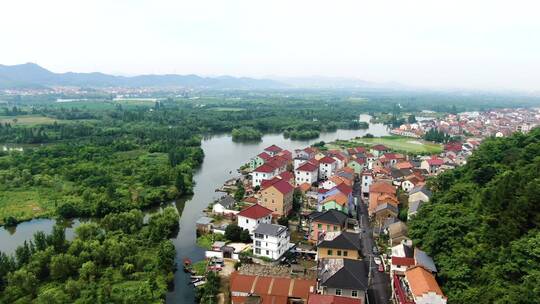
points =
(270, 229)
(255, 212)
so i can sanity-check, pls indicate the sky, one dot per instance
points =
(474, 44)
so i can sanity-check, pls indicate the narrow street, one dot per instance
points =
(379, 289)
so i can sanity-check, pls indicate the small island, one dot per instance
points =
(246, 134)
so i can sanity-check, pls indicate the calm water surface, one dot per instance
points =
(222, 158)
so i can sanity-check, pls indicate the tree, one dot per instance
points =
(63, 266)
(239, 193)
(298, 198)
(245, 237)
(411, 119)
(283, 221)
(232, 233)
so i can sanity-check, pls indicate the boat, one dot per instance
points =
(188, 265)
(199, 283)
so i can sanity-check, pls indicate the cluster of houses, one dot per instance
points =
(333, 184)
(498, 122)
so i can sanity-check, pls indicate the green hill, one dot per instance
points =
(482, 224)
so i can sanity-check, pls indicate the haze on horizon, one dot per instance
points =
(453, 44)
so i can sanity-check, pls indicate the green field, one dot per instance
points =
(24, 204)
(27, 120)
(397, 143)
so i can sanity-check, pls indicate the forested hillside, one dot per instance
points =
(482, 226)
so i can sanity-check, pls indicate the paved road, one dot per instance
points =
(379, 291)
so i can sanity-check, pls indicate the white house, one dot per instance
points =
(264, 171)
(306, 173)
(327, 167)
(270, 240)
(252, 216)
(224, 205)
(367, 180)
(273, 150)
(299, 161)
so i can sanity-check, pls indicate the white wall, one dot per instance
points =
(271, 246)
(250, 224)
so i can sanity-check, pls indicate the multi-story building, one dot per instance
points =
(270, 240)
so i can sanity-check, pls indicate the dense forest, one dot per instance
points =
(482, 227)
(120, 260)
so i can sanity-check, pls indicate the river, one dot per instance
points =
(222, 158)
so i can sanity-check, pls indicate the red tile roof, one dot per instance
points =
(265, 183)
(343, 188)
(380, 148)
(401, 261)
(309, 167)
(327, 160)
(287, 175)
(435, 161)
(265, 168)
(265, 156)
(273, 148)
(330, 299)
(255, 212)
(283, 186)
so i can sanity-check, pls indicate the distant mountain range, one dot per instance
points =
(31, 75)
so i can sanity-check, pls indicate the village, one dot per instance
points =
(496, 122)
(321, 225)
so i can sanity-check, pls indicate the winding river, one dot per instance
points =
(222, 158)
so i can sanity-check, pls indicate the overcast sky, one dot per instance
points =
(470, 43)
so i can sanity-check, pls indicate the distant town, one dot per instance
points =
(499, 123)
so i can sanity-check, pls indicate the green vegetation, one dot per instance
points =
(396, 143)
(439, 137)
(206, 240)
(298, 135)
(482, 226)
(207, 293)
(120, 260)
(246, 134)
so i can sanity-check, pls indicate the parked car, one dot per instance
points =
(375, 250)
(377, 260)
(381, 268)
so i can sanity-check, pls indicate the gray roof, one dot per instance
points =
(422, 258)
(331, 216)
(414, 206)
(344, 274)
(345, 240)
(204, 220)
(270, 229)
(226, 201)
(384, 206)
(422, 189)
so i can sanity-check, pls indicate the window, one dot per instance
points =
(328, 227)
(338, 292)
(257, 250)
(258, 221)
(267, 252)
(339, 252)
(335, 228)
(247, 221)
(330, 252)
(345, 253)
(258, 243)
(319, 226)
(354, 293)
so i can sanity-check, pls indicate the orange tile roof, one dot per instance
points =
(422, 281)
(339, 198)
(382, 187)
(304, 187)
(271, 287)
